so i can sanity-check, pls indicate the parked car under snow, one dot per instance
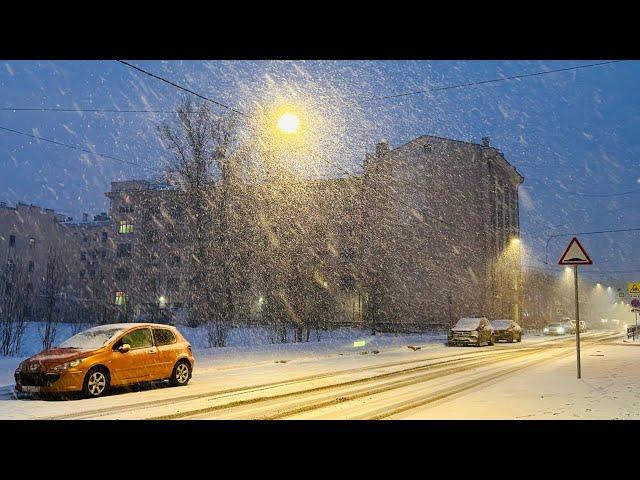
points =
(471, 331)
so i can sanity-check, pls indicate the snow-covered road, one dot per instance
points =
(396, 382)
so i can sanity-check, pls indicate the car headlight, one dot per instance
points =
(545, 329)
(68, 365)
(473, 334)
(561, 330)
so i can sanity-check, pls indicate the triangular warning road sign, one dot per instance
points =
(575, 254)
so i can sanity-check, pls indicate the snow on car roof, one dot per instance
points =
(111, 326)
(501, 322)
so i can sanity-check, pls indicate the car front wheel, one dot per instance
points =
(181, 374)
(96, 383)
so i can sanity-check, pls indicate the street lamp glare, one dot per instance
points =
(288, 123)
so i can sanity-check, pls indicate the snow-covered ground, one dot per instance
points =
(331, 379)
(609, 389)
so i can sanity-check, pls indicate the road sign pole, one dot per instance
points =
(575, 280)
(575, 255)
(636, 329)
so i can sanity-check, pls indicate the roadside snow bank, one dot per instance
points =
(246, 346)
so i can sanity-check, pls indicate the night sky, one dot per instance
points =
(567, 133)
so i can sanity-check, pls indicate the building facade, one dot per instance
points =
(441, 237)
(427, 233)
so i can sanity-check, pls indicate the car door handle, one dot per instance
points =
(153, 351)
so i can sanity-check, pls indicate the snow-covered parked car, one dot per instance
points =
(507, 330)
(471, 331)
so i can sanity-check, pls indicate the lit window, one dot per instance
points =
(121, 298)
(32, 242)
(125, 227)
(162, 301)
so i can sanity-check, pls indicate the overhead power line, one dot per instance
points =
(75, 147)
(596, 232)
(384, 97)
(617, 194)
(183, 88)
(493, 80)
(78, 110)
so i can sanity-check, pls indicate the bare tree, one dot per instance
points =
(205, 156)
(51, 292)
(15, 298)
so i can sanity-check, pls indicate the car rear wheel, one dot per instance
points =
(181, 374)
(96, 383)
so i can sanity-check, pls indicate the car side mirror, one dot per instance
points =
(124, 348)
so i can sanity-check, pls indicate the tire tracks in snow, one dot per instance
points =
(333, 398)
(429, 363)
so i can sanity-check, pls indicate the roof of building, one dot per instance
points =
(423, 138)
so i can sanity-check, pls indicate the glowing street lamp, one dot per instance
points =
(288, 123)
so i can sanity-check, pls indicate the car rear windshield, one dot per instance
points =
(468, 323)
(91, 339)
(501, 324)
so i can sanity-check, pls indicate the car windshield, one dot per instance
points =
(554, 325)
(92, 338)
(468, 323)
(501, 324)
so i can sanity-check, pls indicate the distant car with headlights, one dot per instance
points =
(554, 329)
(109, 355)
(507, 330)
(471, 331)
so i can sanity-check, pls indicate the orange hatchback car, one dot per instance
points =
(109, 355)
